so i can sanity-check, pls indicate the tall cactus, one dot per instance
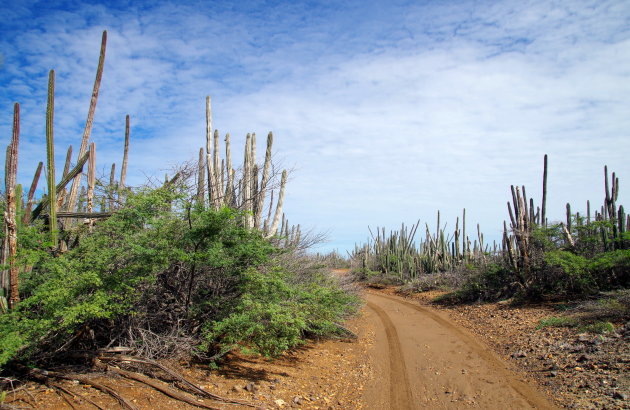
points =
(280, 204)
(31, 193)
(123, 170)
(50, 155)
(209, 160)
(74, 190)
(91, 178)
(11, 212)
(262, 189)
(112, 187)
(201, 182)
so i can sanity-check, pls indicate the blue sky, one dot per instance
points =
(386, 111)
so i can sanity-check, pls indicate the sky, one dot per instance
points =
(385, 111)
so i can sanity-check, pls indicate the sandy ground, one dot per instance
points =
(423, 360)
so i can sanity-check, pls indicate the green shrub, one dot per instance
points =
(274, 315)
(566, 273)
(487, 283)
(612, 269)
(598, 327)
(175, 270)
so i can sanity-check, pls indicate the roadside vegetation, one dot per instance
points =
(580, 257)
(200, 265)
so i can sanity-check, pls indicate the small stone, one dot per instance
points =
(553, 373)
(620, 396)
(237, 389)
(280, 403)
(251, 387)
(297, 400)
(519, 354)
(582, 359)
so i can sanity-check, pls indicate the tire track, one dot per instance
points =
(529, 394)
(399, 388)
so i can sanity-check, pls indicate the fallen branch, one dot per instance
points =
(157, 386)
(45, 375)
(175, 375)
(75, 396)
(60, 392)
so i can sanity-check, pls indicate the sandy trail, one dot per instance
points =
(423, 360)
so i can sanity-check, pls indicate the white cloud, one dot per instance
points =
(387, 114)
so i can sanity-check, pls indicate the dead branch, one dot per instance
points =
(76, 396)
(45, 375)
(157, 386)
(175, 375)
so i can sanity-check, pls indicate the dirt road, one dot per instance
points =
(422, 360)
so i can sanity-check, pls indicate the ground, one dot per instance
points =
(409, 354)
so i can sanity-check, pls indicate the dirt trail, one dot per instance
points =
(423, 360)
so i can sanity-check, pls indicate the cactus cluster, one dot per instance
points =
(399, 254)
(245, 188)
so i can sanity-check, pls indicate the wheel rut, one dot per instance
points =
(399, 389)
(431, 362)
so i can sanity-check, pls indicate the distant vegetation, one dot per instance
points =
(580, 256)
(196, 266)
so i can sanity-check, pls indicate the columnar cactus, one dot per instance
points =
(11, 212)
(91, 178)
(88, 123)
(50, 154)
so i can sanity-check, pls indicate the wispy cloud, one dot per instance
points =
(387, 112)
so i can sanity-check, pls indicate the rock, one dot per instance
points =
(553, 373)
(237, 389)
(251, 387)
(297, 400)
(620, 396)
(280, 403)
(519, 354)
(582, 359)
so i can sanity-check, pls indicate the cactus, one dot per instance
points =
(10, 217)
(88, 123)
(50, 154)
(229, 189)
(123, 170)
(111, 188)
(91, 178)
(209, 160)
(276, 218)
(201, 189)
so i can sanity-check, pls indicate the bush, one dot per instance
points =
(161, 268)
(488, 283)
(565, 273)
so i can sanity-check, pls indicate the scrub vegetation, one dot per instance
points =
(195, 267)
(579, 257)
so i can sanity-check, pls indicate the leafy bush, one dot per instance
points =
(491, 282)
(566, 273)
(273, 315)
(161, 267)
